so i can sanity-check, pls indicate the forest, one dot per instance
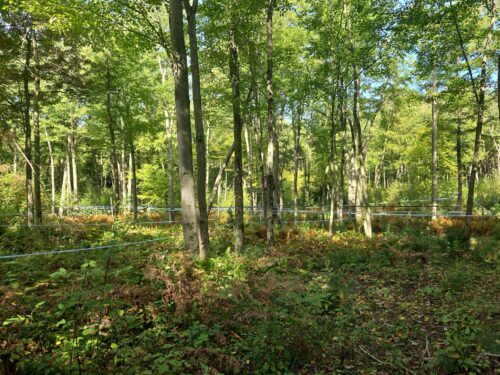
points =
(249, 187)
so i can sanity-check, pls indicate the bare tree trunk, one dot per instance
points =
(218, 179)
(351, 169)
(134, 181)
(123, 169)
(52, 176)
(333, 168)
(14, 161)
(74, 171)
(37, 196)
(477, 145)
(248, 144)
(115, 174)
(64, 188)
(479, 94)
(271, 131)
(170, 156)
(203, 238)
(129, 180)
(186, 177)
(237, 120)
(458, 206)
(434, 145)
(296, 157)
(207, 158)
(27, 130)
(362, 144)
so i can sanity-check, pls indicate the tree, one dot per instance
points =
(203, 238)
(186, 177)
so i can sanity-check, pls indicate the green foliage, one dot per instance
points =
(313, 304)
(153, 182)
(459, 350)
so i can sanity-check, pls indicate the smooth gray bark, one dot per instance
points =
(271, 131)
(434, 146)
(27, 130)
(203, 238)
(185, 151)
(37, 196)
(115, 174)
(237, 139)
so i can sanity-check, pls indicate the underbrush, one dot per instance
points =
(409, 300)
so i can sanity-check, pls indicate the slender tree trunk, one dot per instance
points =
(27, 130)
(134, 181)
(350, 165)
(479, 94)
(14, 161)
(203, 238)
(477, 146)
(434, 145)
(248, 144)
(170, 156)
(37, 196)
(458, 206)
(74, 170)
(238, 125)
(115, 175)
(296, 158)
(129, 180)
(218, 179)
(52, 176)
(207, 158)
(186, 177)
(123, 169)
(62, 200)
(271, 131)
(333, 167)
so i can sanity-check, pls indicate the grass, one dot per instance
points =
(409, 301)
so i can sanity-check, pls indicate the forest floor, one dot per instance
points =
(411, 300)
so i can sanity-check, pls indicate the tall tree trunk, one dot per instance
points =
(52, 176)
(123, 169)
(37, 196)
(74, 170)
(458, 206)
(129, 180)
(351, 173)
(203, 238)
(237, 127)
(170, 156)
(133, 189)
(271, 131)
(333, 168)
(477, 146)
(434, 145)
(27, 130)
(296, 157)
(248, 144)
(115, 174)
(362, 144)
(479, 94)
(207, 158)
(186, 177)
(64, 189)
